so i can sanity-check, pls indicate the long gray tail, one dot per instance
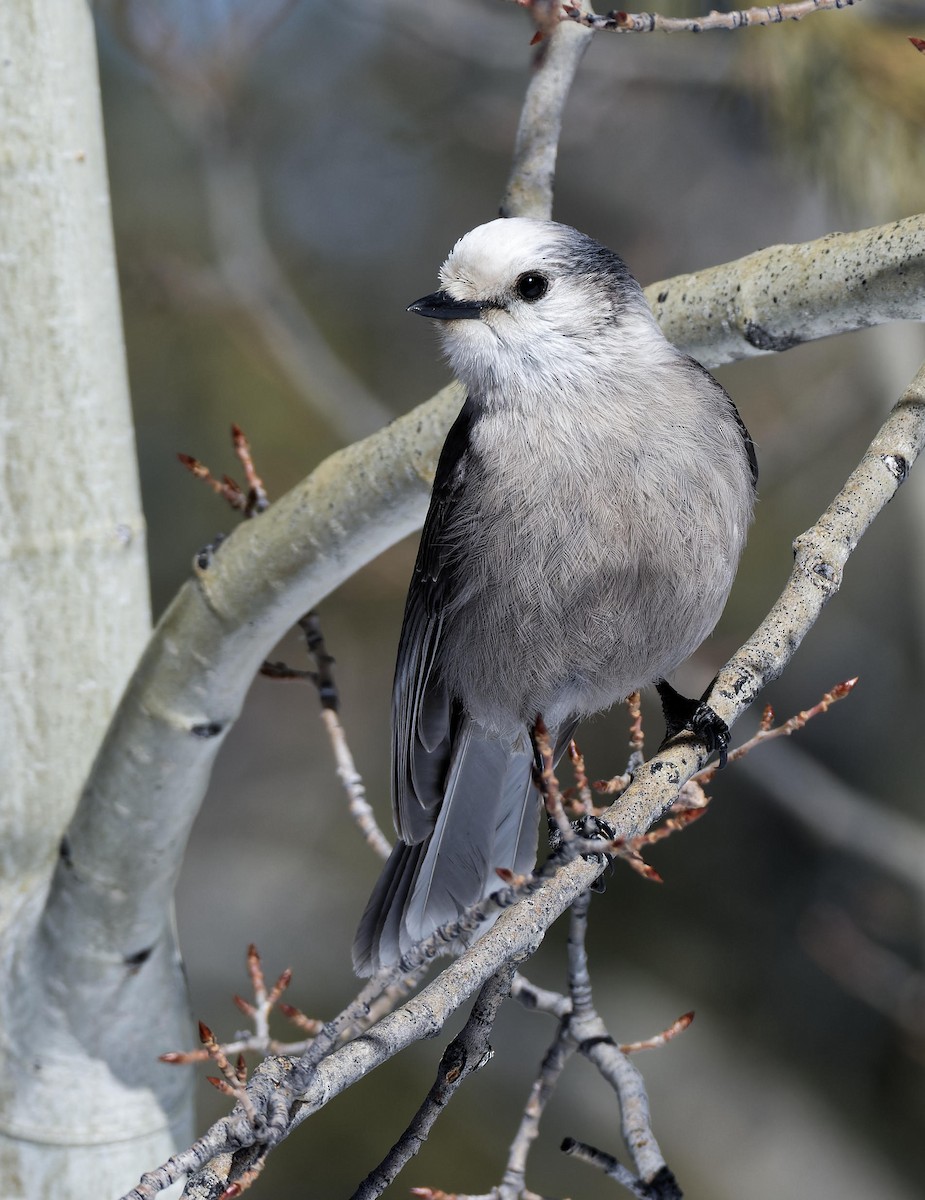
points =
(488, 819)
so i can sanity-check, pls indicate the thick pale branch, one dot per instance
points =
(784, 295)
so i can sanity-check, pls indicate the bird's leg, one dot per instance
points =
(563, 834)
(694, 715)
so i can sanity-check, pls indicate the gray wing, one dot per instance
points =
(464, 803)
(748, 444)
(422, 716)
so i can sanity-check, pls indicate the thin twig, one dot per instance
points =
(660, 1039)
(257, 501)
(529, 187)
(623, 22)
(358, 806)
(635, 1117)
(615, 1169)
(769, 732)
(554, 1061)
(468, 1052)
(258, 1042)
(322, 678)
(579, 977)
(539, 999)
(250, 503)
(549, 787)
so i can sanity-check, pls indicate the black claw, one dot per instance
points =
(696, 716)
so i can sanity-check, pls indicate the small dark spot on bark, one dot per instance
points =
(658, 766)
(663, 1186)
(207, 553)
(64, 852)
(897, 466)
(210, 729)
(759, 337)
(662, 297)
(826, 570)
(141, 956)
(588, 1043)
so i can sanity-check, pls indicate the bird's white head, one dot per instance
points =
(534, 306)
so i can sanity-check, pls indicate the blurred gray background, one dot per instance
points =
(283, 172)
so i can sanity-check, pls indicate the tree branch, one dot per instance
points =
(468, 1052)
(775, 14)
(529, 187)
(782, 296)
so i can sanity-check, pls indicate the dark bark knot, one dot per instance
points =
(897, 466)
(762, 339)
(824, 575)
(209, 729)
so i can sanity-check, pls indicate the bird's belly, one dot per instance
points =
(569, 638)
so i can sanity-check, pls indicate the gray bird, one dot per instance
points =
(588, 513)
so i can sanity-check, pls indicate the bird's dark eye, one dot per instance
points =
(532, 286)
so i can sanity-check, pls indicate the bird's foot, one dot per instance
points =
(587, 828)
(594, 829)
(694, 716)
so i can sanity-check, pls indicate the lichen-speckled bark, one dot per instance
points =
(778, 297)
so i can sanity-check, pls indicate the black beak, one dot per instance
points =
(442, 307)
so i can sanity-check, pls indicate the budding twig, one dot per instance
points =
(622, 22)
(767, 731)
(660, 1039)
(258, 1042)
(250, 503)
(322, 677)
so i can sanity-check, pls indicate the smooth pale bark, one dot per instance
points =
(75, 613)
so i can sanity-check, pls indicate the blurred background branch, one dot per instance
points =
(197, 63)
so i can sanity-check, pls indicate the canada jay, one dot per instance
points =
(588, 512)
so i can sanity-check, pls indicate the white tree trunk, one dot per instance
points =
(75, 610)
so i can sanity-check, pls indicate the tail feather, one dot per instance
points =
(381, 918)
(459, 859)
(488, 818)
(518, 829)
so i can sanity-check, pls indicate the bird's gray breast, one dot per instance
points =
(583, 567)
